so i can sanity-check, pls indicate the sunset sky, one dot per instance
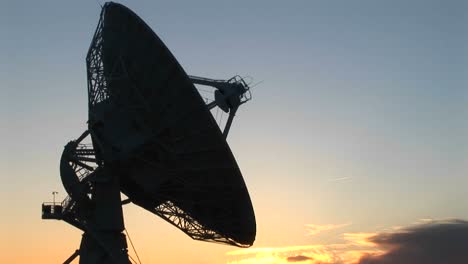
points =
(354, 148)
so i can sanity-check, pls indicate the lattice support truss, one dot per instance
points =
(177, 217)
(81, 158)
(83, 161)
(97, 85)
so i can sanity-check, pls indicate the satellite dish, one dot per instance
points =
(152, 137)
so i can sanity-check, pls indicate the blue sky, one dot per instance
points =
(361, 116)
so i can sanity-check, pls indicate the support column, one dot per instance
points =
(103, 241)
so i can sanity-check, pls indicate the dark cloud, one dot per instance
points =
(436, 242)
(298, 258)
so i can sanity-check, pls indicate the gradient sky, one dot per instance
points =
(359, 126)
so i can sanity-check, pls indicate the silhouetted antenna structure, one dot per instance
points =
(152, 137)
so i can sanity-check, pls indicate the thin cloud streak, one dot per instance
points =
(314, 229)
(286, 249)
(340, 179)
(298, 258)
(315, 254)
(359, 239)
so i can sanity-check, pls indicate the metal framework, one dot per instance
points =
(229, 95)
(97, 84)
(90, 172)
(90, 190)
(177, 217)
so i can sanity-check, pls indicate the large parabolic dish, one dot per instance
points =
(155, 131)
